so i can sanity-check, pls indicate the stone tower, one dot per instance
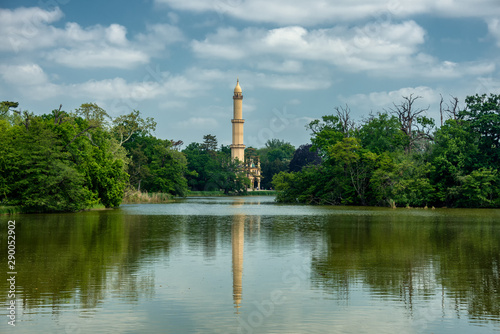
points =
(237, 147)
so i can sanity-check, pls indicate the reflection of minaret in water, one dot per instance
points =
(238, 241)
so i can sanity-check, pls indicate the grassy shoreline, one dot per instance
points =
(10, 210)
(221, 193)
(139, 197)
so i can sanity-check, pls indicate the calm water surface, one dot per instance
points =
(247, 265)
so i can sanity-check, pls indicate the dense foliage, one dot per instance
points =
(395, 158)
(211, 168)
(156, 165)
(60, 161)
(72, 161)
(274, 157)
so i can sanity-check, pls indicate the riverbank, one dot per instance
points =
(139, 197)
(221, 193)
(10, 210)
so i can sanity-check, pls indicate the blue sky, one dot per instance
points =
(178, 60)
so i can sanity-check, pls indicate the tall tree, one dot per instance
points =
(125, 126)
(43, 176)
(210, 143)
(156, 165)
(482, 115)
(331, 129)
(304, 156)
(211, 169)
(275, 157)
(382, 133)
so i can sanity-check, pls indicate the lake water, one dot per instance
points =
(248, 265)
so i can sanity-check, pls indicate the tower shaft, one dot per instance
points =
(237, 147)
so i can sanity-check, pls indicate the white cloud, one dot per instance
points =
(30, 80)
(359, 48)
(292, 82)
(27, 28)
(206, 75)
(105, 56)
(109, 47)
(209, 78)
(487, 85)
(23, 16)
(104, 47)
(383, 48)
(116, 34)
(494, 29)
(114, 89)
(314, 12)
(450, 70)
(158, 36)
(385, 99)
(24, 75)
(287, 66)
(169, 86)
(30, 29)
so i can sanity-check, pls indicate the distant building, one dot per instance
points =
(251, 167)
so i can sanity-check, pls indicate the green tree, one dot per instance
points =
(5, 107)
(8, 114)
(42, 175)
(138, 168)
(480, 188)
(482, 116)
(454, 155)
(156, 165)
(228, 176)
(125, 126)
(331, 129)
(382, 133)
(210, 144)
(275, 157)
(315, 184)
(356, 165)
(304, 156)
(198, 165)
(64, 162)
(213, 170)
(167, 169)
(95, 116)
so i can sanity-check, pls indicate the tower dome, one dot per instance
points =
(237, 89)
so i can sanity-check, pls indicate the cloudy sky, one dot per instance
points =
(178, 60)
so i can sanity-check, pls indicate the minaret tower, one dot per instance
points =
(238, 148)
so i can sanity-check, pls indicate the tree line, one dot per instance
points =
(397, 157)
(71, 161)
